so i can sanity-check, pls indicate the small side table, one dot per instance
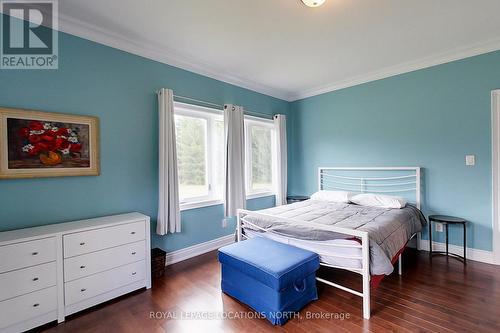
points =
(296, 198)
(447, 220)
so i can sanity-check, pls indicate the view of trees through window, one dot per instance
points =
(200, 155)
(191, 157)
(262, 171)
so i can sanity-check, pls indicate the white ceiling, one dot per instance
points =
(287, 50)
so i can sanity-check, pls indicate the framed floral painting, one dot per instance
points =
(43, 144)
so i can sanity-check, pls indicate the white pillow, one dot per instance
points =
(332, 196)
(378, 200)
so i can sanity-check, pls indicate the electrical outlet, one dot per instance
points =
(224, 223)
(470, 160)
(439, 227)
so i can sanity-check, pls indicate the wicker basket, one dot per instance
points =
(158, 257)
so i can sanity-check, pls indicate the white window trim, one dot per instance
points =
(249, 121)
(207, 114)
(200, 204)
(495, 138)
(260, 195)
(209, 203)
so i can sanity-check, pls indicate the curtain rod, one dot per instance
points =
(221, 107)
(217, 106)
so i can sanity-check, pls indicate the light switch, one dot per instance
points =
(470, 160)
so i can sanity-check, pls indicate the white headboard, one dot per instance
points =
(388, 180)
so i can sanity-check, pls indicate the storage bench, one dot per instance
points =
(274, 279)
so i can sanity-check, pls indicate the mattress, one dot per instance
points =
(388, 229)
(335, 256)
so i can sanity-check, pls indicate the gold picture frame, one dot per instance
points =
(37, 144)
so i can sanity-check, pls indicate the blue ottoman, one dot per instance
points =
(275, 279)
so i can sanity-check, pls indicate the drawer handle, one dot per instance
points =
(83, 289)
(36, 304)
(35, 279)
(134, 273)
(134, 253)
(132, 233)
(82, 243)
(82, 266)
(34, 253)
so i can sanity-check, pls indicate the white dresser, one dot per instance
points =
(49, 272)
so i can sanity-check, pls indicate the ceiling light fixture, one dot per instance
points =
(313, 3)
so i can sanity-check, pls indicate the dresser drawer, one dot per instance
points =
(100, 239)
(19, 309)
(95, 262)
(27, 280)
(26, 254)
(93, 285)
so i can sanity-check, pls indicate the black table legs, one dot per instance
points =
(447, 236)
(465, 244)
(430, 238)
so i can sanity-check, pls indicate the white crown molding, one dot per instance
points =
(472, 254)
(442, 58)
(198, 249)
(84, 30)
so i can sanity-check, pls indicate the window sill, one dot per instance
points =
(199, 204)
(208, 203)
(260, 195)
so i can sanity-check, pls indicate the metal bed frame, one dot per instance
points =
(406, 180)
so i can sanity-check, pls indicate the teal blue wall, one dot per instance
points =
(430, 118)
(117, 87)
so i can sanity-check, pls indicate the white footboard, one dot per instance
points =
(362, 236)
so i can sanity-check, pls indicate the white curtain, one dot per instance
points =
(281, 165)
(234, 160)
(169, 219)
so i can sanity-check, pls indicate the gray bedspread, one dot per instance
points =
(388, 229)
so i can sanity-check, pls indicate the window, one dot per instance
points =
(260, 153)
(200, 153)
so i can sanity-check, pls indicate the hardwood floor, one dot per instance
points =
(437, 296)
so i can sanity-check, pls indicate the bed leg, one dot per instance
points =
(366, 276)
(238, 227)
(400, 264)
(366, 298)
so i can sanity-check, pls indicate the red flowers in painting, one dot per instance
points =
(35, 125)
(61, 143)
(50, 142)
(24, 132)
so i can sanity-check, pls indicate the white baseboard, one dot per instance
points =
(198, 249)
(472, 254)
